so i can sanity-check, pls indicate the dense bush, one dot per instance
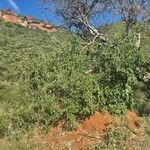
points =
(70, 83)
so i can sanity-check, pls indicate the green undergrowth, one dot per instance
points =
(46, 78)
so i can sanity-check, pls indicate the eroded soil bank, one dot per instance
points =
(89, 131)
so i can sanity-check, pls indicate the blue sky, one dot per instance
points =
(30, 7)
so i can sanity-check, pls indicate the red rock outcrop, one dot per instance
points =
(27, 21)
(10, 16)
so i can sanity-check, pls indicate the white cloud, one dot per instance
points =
(13, 4)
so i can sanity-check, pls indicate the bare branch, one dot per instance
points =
(77, 14)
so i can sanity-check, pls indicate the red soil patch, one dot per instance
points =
(132, 120)
(88, 132)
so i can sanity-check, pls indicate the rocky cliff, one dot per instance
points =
(26, 21)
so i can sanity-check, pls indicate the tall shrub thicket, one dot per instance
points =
(72, 83)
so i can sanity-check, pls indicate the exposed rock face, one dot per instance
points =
(27, 21)
(49, 28)
(42, 26)
(10, 16)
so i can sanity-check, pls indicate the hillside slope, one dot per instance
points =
(20, 41)
(17, 43)
(57, 83)
(15, 38)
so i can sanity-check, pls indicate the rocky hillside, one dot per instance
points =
(26, 21)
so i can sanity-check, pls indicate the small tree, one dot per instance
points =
(132, 11)
(77, 14)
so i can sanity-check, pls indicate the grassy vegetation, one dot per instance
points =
(43, 79)
(16, 44)
(145, 47)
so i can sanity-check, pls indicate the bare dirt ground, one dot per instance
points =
(88, 132)
(91, 131)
